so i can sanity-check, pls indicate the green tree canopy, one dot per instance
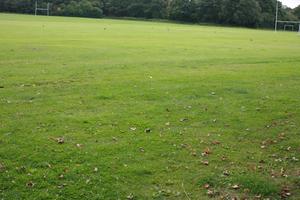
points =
(250, 13)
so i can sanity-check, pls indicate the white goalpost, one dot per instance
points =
(47, 9)
(290, 24)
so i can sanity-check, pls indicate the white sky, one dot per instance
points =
(291, 3)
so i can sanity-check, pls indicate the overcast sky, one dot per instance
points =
(291, 3)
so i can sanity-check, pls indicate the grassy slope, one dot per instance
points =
(90, 81)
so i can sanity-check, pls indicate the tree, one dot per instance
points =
(208, 10)
(296, 12)
(250, 13)
(182, 10)
(247, 13)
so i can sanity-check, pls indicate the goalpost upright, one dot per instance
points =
(280, 21)
(276, 17)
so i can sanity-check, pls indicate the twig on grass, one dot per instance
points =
(186, 194)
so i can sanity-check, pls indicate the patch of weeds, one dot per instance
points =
(257, 184)
(142, 172)
(210, 179)
(104, 97)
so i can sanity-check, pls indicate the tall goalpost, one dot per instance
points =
(47, 9)
(287, 23)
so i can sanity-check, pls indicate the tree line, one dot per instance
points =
(248, 13)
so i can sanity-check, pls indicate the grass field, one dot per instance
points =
(118, 109)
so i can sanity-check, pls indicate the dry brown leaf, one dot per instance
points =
(281, 136)
(206, 186)
(183, 119)
(79, 145)
(207, 151)
(258, 196)
(59, 140)
(285, 192)
(205, 162)
(130, 196)
(216, 142)
(30, 184)
(235, 187)
(147, 130)
(194, 153)
(142, 149)
(210, 193)
(226, 173)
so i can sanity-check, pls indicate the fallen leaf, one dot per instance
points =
(147, 130)
(293, 158)
(226, 173)
(259, 167)
(183, 119)
(207, 151)
(258, 196)
(282, 173)
(79, 145)
(194, 153)
(285, 192)
(281, 136)
(206, 186)
(59, 140)
(130, 196)
(216, 142)
(142, 149)
(235, 187)
(210, 193)
(205, 162)
(30, 184)
(62, 186)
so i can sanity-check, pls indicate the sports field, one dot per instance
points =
(123, 109)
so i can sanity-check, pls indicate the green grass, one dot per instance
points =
(91, 81)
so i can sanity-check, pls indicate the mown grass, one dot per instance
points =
(100, 84)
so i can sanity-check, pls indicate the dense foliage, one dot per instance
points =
(250, 13)
(297, 12)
